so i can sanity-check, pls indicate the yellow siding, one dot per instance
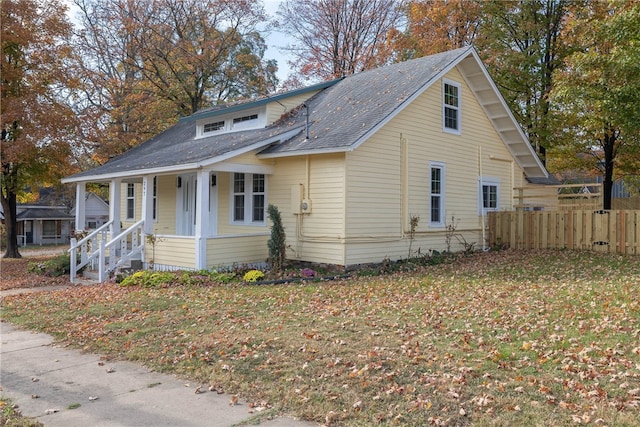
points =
(166, 221)
(123, 204)
(237, 250)
(374, 189)
(173, 252)
(317, 236)
(275, 110)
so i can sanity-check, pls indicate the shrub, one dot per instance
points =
(148, 279)
(253, 276)
(277, 243)
(58, 266)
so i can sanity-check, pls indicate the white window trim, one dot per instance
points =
(248, 200)
(442, 167)
(458, 108)
(229, 125)
(491, 181)
(133, 200)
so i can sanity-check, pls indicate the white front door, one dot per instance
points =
(186, 204)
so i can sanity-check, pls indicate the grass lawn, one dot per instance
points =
(491, 339)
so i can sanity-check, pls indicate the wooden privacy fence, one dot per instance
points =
(606, 231)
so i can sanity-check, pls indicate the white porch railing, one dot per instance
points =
(96, 250)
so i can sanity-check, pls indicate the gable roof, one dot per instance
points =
(343, 115)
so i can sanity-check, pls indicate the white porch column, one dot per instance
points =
(115, 190)
(81, 198)
(202, 218)
(147, 204)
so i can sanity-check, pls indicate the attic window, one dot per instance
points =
(212, 127)
(245, 118)
(451, 106)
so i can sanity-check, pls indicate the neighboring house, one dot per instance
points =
(96, 211)
(348, 163)
(50, 221)
(43, 225)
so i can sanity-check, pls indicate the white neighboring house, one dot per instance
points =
(96, 211)
(45, 224)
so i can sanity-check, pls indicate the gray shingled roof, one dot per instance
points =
(341, 116)
(44, 213)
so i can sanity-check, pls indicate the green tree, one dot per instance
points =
(37, 124)
(597, 96)
(521, 43)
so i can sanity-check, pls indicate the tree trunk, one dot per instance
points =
(608, 147)
(9, 207)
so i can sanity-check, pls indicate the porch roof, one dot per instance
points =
(44, 213)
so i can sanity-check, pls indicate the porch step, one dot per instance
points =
(127, 268)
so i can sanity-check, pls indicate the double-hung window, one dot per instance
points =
(488, 195)
(451, 107)
(131, 201)
(436, 194)
(248, 198)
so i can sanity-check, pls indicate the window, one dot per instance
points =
(436, 194)
(245, 118)
(131, 201)
(451, 107)
(238, 197)
(258, 198)
(154, 208)
(488, 195)
(248, 198)
(212, 127)
(51, 228)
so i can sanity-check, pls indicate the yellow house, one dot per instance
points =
(348, 163)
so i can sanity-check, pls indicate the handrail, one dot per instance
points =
(124, 233)
(92, 235)
(99, 249)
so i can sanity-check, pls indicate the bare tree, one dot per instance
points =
(335, 38)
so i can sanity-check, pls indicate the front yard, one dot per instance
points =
(490, 339)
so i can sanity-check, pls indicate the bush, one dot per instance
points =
(148, 279)
(58, 266)
(253, 276)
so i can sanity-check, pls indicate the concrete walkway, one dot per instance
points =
(63, 387)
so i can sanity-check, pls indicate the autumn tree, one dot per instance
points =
(151, 62)
(335, 38)
(521, 43)
(435, 26)
(37, 124)
(597, 95)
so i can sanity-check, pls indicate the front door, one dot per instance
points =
(28, 232)
(186, 205)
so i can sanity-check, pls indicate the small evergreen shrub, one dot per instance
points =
(277, 242)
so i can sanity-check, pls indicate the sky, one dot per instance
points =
(273, 39)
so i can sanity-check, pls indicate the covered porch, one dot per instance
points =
(192, 219)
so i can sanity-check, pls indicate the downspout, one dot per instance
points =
(482, 210)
